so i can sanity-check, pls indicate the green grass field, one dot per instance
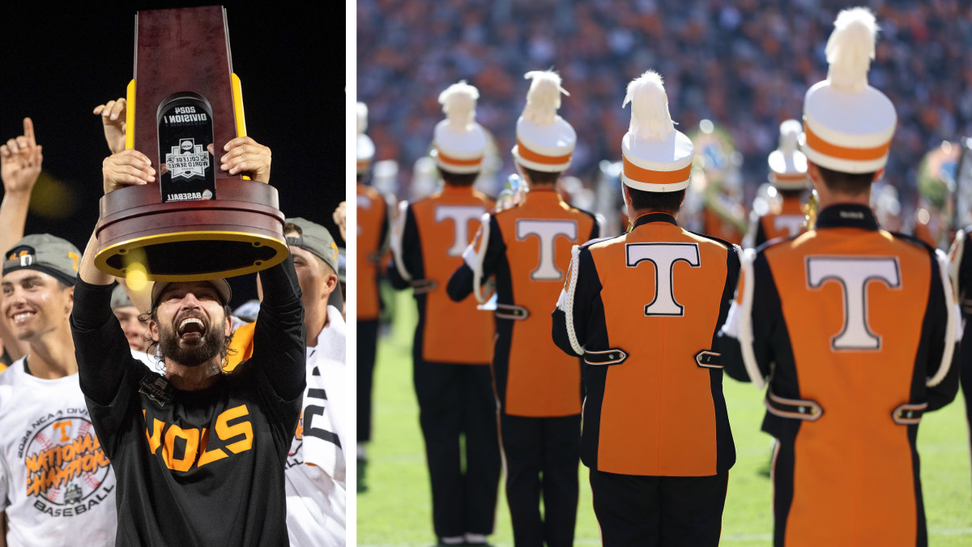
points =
(396, 509)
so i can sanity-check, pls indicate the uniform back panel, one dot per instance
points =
(660, 389)
(859, 369)
(455, 332)
(786, 222)
(542, 380)
(372, 212)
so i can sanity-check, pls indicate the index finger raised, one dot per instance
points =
(29, 130)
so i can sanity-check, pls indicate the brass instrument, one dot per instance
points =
(811, 209)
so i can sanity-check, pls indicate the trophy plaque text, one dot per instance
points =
(196, 222)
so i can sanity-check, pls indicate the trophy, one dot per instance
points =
(184, 104)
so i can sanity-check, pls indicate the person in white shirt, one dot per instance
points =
(56, 484)
(315, 473)
(316, 466)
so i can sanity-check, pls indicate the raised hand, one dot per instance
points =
(341, 219)
(126, 168)
(20, 161)
(113, 118)
(247, 156)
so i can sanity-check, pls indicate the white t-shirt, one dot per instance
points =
(315, 472)
(56, 485)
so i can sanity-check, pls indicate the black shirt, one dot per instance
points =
(197, 468)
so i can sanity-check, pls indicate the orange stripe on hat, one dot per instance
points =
(647, 176)
(536, 157)
(788, 178)
(457, 161)
(842, 152)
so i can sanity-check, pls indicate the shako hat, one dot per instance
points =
(365, 146)
(787, 165)
(848, 124)
(655, 156)
(544, 140)
(459, 143)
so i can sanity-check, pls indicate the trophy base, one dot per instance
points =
(239, 233)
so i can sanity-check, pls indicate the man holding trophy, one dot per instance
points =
(198, 453)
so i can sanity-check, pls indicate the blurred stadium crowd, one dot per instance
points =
(743, 64)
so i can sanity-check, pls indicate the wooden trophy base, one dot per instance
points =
(240, 233)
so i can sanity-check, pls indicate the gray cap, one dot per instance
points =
(221, 285)
(316, 240)
(119, 298)
(44, 253)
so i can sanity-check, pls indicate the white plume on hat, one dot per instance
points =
(650, 118)
(850, 49)
(362, 118)
(790, 131)
(365, 148)
(543, 98)
(459, 105)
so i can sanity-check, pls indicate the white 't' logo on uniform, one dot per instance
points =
(854, 274)
(663, 256)
(792, 224)
(546, 231)
(460, 215)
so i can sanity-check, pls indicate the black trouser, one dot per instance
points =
(542, 455)
(966, 381)
(367, 347)
(455, 401)
(659, 511)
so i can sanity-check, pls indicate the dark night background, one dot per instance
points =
(60, 60)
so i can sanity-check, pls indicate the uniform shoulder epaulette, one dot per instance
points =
(587, 244)
(776, 241)
(725, 243)
(914, 241)
(496, 211)
(586, 212)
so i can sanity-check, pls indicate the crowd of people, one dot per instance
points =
(157, 415)
(744, 65)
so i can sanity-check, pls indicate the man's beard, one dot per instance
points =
(191, 355)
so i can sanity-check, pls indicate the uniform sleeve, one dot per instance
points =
(579, 306)
(754, 322)
(278, 337)
(383, 232)
(406, 250)
(480, 259)
(941, 336)
(596, 227)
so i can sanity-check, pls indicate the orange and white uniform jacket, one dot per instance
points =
(643, 308)
(527, 249)
(790, 220)
(855, 329)
(427, 244)
(372, 234)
